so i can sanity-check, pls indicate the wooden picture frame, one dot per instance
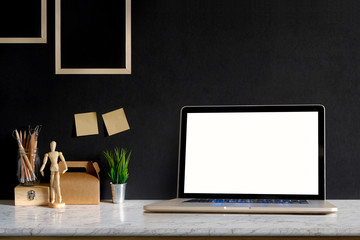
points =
(65, 63)
(43, 35)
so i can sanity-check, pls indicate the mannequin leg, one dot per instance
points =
(56, 198)
(52, 188)
(58, 189)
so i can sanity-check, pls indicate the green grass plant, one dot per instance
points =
(118, 162)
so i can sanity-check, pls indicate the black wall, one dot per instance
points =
(188, 52)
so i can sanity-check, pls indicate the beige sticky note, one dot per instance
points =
(86, 124)
(116, 121)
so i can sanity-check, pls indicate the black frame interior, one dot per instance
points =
(20, 19)
(252, 108)
(93, 34)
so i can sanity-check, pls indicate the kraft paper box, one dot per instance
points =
(80, 187)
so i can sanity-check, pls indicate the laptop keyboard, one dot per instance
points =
(274, 201)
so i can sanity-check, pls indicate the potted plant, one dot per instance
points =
(118, 173)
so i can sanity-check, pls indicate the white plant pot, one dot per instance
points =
(118, 192)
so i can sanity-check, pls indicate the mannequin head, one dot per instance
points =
(53, 146)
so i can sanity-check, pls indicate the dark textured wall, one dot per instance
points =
(188, 52)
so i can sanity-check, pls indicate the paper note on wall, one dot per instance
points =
(115, 121)
(86, 124)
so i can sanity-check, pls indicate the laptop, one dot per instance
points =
(250, 159)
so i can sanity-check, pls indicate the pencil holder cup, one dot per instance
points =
(28, 171)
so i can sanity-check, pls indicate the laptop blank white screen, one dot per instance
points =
(252, 153)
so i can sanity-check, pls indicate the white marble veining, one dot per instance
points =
(128, 219)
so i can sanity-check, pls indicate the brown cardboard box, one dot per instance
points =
(80, 187)
(32, 195)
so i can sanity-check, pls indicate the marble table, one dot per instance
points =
(128, 219)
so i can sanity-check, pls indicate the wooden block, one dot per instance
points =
(32, 195)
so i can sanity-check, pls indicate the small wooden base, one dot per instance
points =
(57, 205)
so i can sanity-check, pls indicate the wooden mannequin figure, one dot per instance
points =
(55, 196)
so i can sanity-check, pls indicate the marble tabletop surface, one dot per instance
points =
(128, 219)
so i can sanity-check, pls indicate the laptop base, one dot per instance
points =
(178, 205)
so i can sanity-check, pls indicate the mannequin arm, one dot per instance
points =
(44, 163)
(63, 159)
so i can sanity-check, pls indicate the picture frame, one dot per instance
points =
(72, 33)
(30, 39)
